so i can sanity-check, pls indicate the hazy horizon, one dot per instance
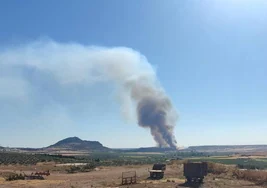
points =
(137, 147)
(63, 72)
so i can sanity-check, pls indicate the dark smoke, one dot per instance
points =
(154, 111)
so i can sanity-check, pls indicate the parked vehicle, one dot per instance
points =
(157, 171)
(195, 172)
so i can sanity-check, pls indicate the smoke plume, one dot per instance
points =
(135, 79)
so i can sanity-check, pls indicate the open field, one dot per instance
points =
(102, 175)
(111, 177)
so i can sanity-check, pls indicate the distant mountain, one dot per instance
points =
(209, 148)
(78, 145)
(75, 143)
(228, 148)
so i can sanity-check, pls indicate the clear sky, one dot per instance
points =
(210, 57)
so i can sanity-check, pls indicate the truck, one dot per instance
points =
(157, 171)
(195, 171)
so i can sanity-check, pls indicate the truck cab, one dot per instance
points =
(157, 171)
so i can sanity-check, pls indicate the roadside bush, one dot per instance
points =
(86, 168)
(89, 167)
(178, 162)
(216, 168)
(257, 176)
(249, 166)
(73, 169)
(14, 176)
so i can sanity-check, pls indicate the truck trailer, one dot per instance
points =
(195, 171)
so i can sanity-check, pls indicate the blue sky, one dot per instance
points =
(210, 57)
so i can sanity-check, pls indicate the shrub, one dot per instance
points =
(89, 167)
(86, 168)
(73, 169)
(257, 176)
(250, 166)
(216, 168)
(14, 176)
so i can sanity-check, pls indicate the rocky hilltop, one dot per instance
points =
(75, 143)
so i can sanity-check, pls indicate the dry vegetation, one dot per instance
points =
(259, 177)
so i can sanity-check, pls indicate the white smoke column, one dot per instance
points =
(134, 77)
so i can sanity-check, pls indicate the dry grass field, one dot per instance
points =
(220, 176)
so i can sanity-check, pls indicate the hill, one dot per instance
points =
(76, 144)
